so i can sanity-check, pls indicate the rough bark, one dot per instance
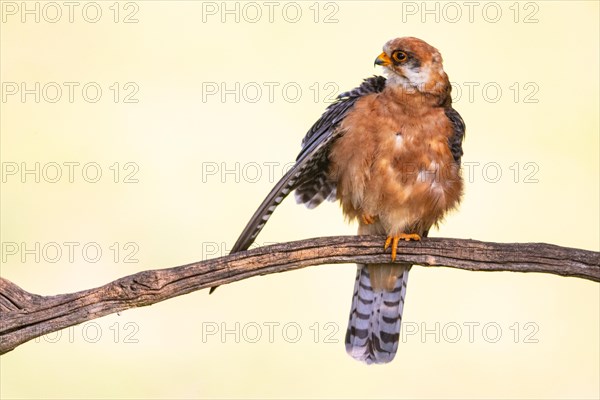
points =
(24, 316)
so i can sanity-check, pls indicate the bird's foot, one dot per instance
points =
(367, 219)
(393, 240)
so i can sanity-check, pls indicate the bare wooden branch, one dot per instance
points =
(24, 316)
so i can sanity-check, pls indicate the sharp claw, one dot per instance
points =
(393, 240)
(387, 242)
(395, 247)
(412, 236)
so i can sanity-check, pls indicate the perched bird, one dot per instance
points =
(389, 151)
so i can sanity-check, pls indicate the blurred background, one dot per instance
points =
(144, 134)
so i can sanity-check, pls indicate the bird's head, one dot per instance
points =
(412, 63)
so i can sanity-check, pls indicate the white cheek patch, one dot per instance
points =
(417, 79)
(394, 79)
(410, 79)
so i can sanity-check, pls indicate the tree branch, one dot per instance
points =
(24, 316)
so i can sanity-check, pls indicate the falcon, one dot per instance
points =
(389, 151)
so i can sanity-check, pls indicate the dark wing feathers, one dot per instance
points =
(316, 190)
(314, 187)
(455, 141)
(337, 110)
(308, 175)
(285, 185)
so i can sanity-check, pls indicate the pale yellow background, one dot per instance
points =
(174, 217)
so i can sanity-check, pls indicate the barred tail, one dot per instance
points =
(376, 314)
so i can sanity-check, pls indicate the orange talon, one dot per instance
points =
(393, 240)
(367, 219)
(395, 247)
(387, 242)
(410, 236)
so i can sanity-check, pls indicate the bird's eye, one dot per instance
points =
(399, 56)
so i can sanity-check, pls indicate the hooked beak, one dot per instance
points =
(383, 60)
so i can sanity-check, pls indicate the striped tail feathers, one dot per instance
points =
(376, 314)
